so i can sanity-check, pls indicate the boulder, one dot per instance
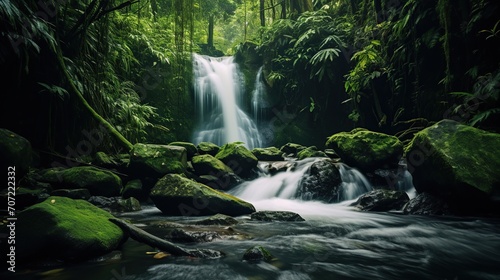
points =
(116, 204)
(257, 254)
(208, 148)
(458, 163)
(177, 195)
(72, 193)
(15, 151)
(97, 181)
(291, 148)
(281, 166)
(65, 229)
(426, 204)
(268, 154)
(209, 165)
(218, 220)
(310, 152)
(133, 188)
(185, 236)
(320, 182)
(238, 158)
(283, 216)
(153, 160)
(225, 181)
(381, 200)
(190, 148)
(366, 150)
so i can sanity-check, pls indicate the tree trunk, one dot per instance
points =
(210, 41)
(262, 13)
(297, 7)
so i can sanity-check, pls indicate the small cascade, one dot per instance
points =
(258, 98)
(218, 100)
(354, 183)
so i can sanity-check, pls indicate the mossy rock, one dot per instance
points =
(97, 181)
(292, 148)
(310, 152)
(190, 148)
(283, 216)
(257, 254)
(65, 229)
(133, 188)
(16, 151)
(153, 160)
(209, 165)
(177, 195)
(457, 162)
(208, 148)
(238, 158)
(268, 154)
(381, 200)
(366, 150)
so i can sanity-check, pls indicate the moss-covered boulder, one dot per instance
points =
(72, 193)
(238, 158)
(152, 160)
(190, 148)
(134, 188)
(366, 150)
(459, 163)
(16, 151)
(208, 148)
(268, 154)
(177, 195)
(65, 229)
(292, 148)
(310, 152)
(209, 165)
(97, 181)
(381, 200)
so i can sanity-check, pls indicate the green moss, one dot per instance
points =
(65, 228)
(268, 154)
(310, 152)
(209, 165)
(190, 148)
(258, 253)
(238, 158)
(157, 160)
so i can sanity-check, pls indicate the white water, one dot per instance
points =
(218, 100)
(258, 98)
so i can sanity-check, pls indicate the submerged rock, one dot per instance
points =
(366, 150)
(381, 200)
(116, 204)
(426, 204)
(238, 158)
(257, 254)
(310, 152)
(269, 216)
(185, 236)
(218, 220)
(268, 154)
(15, 151)
(97, 181)
(320, 182)
(190, 148)
(177, 195)
(208, 148)
(65, 229)
(458, 163)
(152, 160)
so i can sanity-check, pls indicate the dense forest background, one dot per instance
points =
(73, 69)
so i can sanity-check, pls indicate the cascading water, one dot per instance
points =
(218, 100)
(258, 100)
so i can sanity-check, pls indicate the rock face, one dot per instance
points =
(284, 216)
(458, 163)
(320, 182)
(310, 152)
(97, 181)
(65, 229)
(190, 148)
(426, 204)
(177, 195)
(268, 154)
(238, 158)
(151, 160)
(16, 151)
(382, 200)
(366, 150)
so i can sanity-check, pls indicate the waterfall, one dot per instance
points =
(258, 100)
(218, 90)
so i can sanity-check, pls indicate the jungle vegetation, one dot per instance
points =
(73, 67)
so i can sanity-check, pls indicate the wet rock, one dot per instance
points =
(268, 154)
(209, 165)
(381, 200)
(310, 152)
(116, 204)
(292, 148)
(208, 148)
(133, 188)
(223, 182)
(97, 181)
(190, 148)
(257, 254)
(184, 236)
(24, 197)
(281, 166)
(284, 216)
(238, 158)
(152, 160)
(426, 204)
(15, 150)
(218, 220)
(72, 193)
(320, 182)
(65, 229)
(177, 195)
(458, 163)
(366, 150)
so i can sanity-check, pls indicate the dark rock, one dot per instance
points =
(133, 188)
(426, 204)
(238, 158)
(257, 254)
(218, 220)
(177, 195)
(15, 151)
(381, 200)
(116, 204)
(310, 152)
(208, 148)
(72, 193)
(190, 148)
(320, 182)
(268, 154)
(223, 182)
(181, 235)
(284, 216)
(292, 148)
(152, 160)
(281, 166)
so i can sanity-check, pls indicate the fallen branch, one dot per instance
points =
(144, 237)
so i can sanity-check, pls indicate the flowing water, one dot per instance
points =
(335, 242)
(219, 96)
